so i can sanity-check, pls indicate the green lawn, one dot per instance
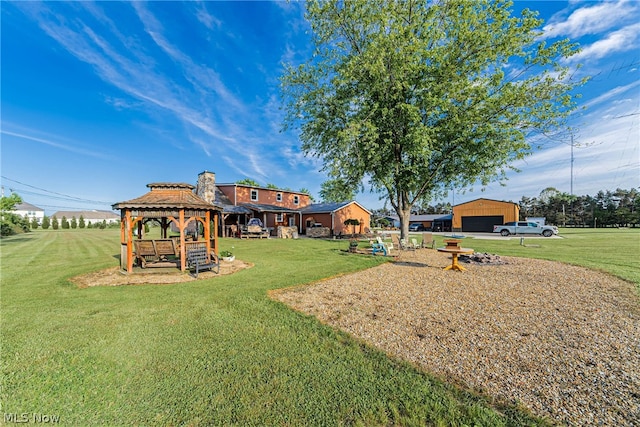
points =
(219, 351)
(613, 250)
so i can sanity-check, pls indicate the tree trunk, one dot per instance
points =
(404, 215)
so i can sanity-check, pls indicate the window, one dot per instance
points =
(278, 197)
(254, 195)
(279, 217)
(296, 200)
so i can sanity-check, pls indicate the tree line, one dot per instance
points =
(619, 208)
(12, 223)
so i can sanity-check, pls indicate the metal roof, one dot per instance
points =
(269, 208)
(484, 198)
(426, 217)
(329, 207)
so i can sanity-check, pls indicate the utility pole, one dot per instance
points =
(572, 165)
(572, 159)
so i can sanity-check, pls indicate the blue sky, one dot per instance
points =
(100, 99)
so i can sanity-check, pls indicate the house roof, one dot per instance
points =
(269, 208)
(329, 207)
(489, 200)
(425, 218)
(91, 214)
(166, 195)
(227, 206)
(24, 206)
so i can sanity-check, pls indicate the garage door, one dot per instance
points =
(481, 223)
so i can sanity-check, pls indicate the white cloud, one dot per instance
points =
(591, 19)
(622, 40)
(613, 93)
(205, 18)
(91, 152)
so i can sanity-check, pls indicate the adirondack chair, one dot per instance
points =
(427, 241)
(380, 246)
(396, 241)
(414, 244)
(406, 246)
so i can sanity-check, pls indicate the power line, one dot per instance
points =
(59, 196)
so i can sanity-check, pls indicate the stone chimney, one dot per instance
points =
(206, 187)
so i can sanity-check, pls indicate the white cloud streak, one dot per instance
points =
(49, 142)
(201, 102)
(591, 19)
(622, 40)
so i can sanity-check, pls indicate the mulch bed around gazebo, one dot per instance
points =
(114, 276)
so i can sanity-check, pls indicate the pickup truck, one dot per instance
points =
(524, 227)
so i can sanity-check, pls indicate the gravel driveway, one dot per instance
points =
(563, 341)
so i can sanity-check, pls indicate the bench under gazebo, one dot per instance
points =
(167, 203)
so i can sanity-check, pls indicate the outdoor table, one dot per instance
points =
(455, 251)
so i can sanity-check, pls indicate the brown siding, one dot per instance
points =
(485, 207)
(352, 211)
(336, 221)
(266, 196)
(321, 218)
(229, 191)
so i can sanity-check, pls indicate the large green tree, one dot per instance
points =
(336, 191)
(417, 97)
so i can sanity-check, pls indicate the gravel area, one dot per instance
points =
(562, 340)
(114, 276)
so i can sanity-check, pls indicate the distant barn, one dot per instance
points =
(481, 215)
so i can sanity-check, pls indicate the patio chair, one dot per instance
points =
(405, 246)
(414, 244)
(396, 241)
(381, 246)
(427, 241)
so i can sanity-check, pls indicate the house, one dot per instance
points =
(481, 215)
(277, 208)
(90, 216)
(333, 216)
(29, 211)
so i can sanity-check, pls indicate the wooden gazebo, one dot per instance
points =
(168, 203)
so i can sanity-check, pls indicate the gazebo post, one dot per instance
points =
(183, 252)
(215, 232)
(129, 231)
(207, 232)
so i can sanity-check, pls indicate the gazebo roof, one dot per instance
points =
(168, 195)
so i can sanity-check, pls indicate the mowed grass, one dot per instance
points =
(212, 352)
(217, 351)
